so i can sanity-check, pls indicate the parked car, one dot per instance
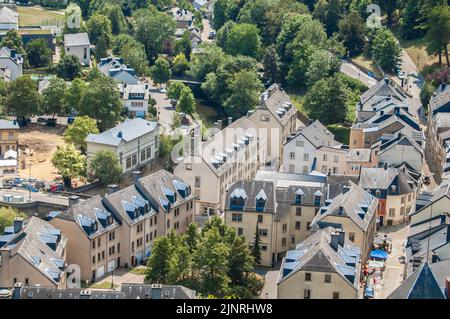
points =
(369, 292)
(211, 35)
(51, 122)
(70, 120)
(42, 121)
(162, 90)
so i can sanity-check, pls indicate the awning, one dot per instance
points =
(379, 254)
(376, 264)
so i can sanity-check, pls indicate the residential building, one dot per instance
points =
(425, 283)
(234, 153)
(9, 136)
(78, 44)
(13, 61)
(394, 150)
(116, 69)
(354, 211)
(324, 266)
(5, 74)
(135, 143)
(9, 17)
(33, 252)
(8, 165)
(314, 148)
(365, 134)
(396, 190)
(183, 19)
(199, 4)
(127, 291)
(359, 158)
(438, 137)
(381, 97)
(276, 117)
(119, 229)
(135, 99)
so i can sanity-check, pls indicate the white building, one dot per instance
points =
(135, 98)
(12, 61)
(314, 148)
(78, 44)
(135, 143)
(9, 18)
(116, 69)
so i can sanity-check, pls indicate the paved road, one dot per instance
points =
(44, 197)
(165, 110)
(352, 71)
(393, 274)
(207, 28)
(269, 290)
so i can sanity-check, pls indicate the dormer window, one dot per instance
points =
(378, 193)
(261, 199)
(317, 198)
(299, 197)
(238, 197)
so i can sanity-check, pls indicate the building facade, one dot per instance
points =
(78, 44)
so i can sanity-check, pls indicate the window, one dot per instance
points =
(118, 248)
(283, 242)
(292, 239)
(336, 159)
(149, 152)
(298, 225)
(93, 259)
(85, 53)
(265, 118)
(263, 247)
(324, 169)
(284, 228)
(98, 242)
(260, 218)
(305, 169)
(98, 256)
(11, 136)
(335, 170)
(128, 162)
(26, 281)
(317, 199)
(327, 278)
(306, 157)
(335, 295)
(402, 211)
(409, 197)
(351, 236)
(93, 244)
(103, 254)
(168, 223)
(307, 294)
(391, 212)
(299, 143)
(298, 211)
(262, 232)
(132, 247)
(307, 276)
(291, 168)
(134, 159)
(325, 157)
(197, 181)
(236, 217)
(143, 155)
(292, 155)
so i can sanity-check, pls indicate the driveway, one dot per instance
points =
(207, 28)
(270, 275)
(352, 71)
(393, 273)
(121, 276)
(165, 110)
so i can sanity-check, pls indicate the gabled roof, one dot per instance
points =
(126, 131)
(404, 180)
(8, 16)
(441, 98)
(276, 100)
(318, 135)
(422, 284)
(385, 88)
(76, 39)
(250, 191)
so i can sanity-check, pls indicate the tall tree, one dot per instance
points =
(352, 33)
(159, 261)
(23, 99)
(438, 34)
(243, 39)
(160, 71)
(13, 40)
(99, 28)
(69, 162)
(118, 21)
(77, 132)
(53, 97)
(73, 95)
(385, 49)
(187, 103)
(271, 63)
(106, 167)
(69, 67)
(256, 249)
(38, 53)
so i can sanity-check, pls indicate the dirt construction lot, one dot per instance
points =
(42, 142)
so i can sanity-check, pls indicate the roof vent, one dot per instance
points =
(119, 135)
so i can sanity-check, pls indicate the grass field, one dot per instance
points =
(103, 285)
(207, 114)
(33, 16)
(368, 64)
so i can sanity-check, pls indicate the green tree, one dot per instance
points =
(329, 12)
(180, 64)
(13, 40)
(438, 34)
(23, 99)
(223, 33)
(243, 39)
(7, 215)
(73, 95)
(187, 103)
(321, 65)
(68, 68)
(77, 132)
(118, 21)
(411, 20)
(385, 49)
(93, 74)
(180, 265)
(208, 60)
(106, 167)
(160, 71)
(101, 101)
(69, 162)
(352, 33)
(38, 54)
(174, 89)
(271, 63)
(53, 97)
(99, 29)
(184, 45)
(220, 13)
(158, 265)
(327, 101)
(136, 58)
(256, 249)
(73, 16)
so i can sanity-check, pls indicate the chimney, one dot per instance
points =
(17, 224)
(230, 120)
(385, 166)
(447, 287)
(334, 241)
(73, 200)
(85, 294)
(136, 175)
(16, 290)
(112, 188)
(156, 291)
(341, 210)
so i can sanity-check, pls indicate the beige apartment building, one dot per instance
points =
(278, 117)
(231, 154)
(357, 159)
(32, 252)
(324, 266)
(355, 212)
(119, 229)
(9, 136)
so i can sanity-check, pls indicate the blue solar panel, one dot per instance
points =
(129, 207)
(139, 201)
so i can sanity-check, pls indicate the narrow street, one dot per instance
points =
(352, 71)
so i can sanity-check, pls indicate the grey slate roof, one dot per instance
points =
(421, 284)
(404, 180)
(8, 15)
(76, 39)
(126, 131)
(359, 155)
(384, 89)
(8, 125)
(274, 99)
(356, 204)
(441, 97)
(318, 135)
(441, 271)
(316, 254)
(249, 190)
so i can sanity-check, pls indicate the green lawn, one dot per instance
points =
(207, 114)
(138, 271)
(103, 285)
(32, 16)
(341, 133)
(366, 63)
